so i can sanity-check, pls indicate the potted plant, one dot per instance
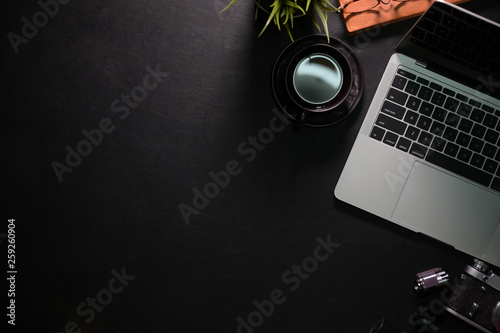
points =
(282, 12)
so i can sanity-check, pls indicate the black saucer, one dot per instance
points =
(314, 115)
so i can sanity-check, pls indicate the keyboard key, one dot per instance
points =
(449, 22)
(418, 33)
(442, 31)
(403, 144)
(412, 88)
(476, 145)
(464, 110)
(434, 15)
(394, 110)
(461, 28)
(397, 96)
(423, 81)
(490, 166)
(465, 125)
(437, 128)
(463, 139)
(449, 92)
(438, 98)
(377, 133)
(424, 123)
(413, 103)
(450, 134)
(495, 185)
(391, 124)
(406, 74)
(490, 121)
(475, 103)
(451, 104)
(436, 86)
(489, 150)
(426, 108)
(478, 131)
(390, 139)
(427, 25)
(411, 117)
(425, 93)
(488, 108)
(418, 150)
(491, 136)
(477, 161)
(464, 155)
(451, 149)
(452, 120)
(412, 133)
(459, 168)
(438, 144)
(477, 115)
(433, 40)
(439, 114)
(462, 98)
(399, 82)
(425, 138)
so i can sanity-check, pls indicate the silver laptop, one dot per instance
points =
(427, 156)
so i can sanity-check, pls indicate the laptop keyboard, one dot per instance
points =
(459, 38)
(443, 126)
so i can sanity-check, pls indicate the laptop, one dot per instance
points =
(427, 156)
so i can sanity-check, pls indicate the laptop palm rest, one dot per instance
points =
(421, 207)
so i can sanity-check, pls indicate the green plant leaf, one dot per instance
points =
(293, 5)
(307, 5)
(230, 4)
(274, 15)
(321, 13)
(333, 8)
(289, 32)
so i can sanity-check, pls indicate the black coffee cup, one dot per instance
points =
(317, 82)
(318, 79)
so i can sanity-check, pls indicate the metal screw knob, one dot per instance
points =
(496, 317)
(480, 266)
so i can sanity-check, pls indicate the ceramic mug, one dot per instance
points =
(318, 79)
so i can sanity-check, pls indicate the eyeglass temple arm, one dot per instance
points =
(345, 4)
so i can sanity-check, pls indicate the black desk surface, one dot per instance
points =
(105, 248)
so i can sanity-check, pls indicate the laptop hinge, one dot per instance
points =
(421, 63)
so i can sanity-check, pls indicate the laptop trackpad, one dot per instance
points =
(448, 209)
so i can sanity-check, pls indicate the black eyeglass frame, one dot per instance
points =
(342, 8)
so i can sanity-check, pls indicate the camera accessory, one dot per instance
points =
(496, 317)
(475, 297)
(435, 277)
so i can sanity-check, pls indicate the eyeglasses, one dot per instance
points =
(357, 6)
